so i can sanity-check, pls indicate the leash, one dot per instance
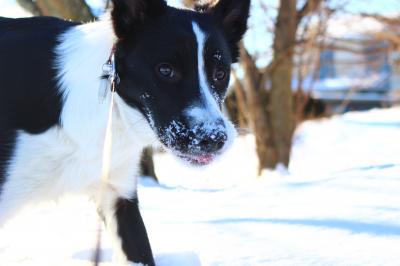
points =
(109, 80)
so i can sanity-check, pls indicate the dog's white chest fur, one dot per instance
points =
(52, 163)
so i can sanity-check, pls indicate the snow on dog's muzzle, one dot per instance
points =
(198, 144)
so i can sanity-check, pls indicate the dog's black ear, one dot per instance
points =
(233, 16)
(130, 15)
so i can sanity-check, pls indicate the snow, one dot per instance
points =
(337, 204)
(8, 8)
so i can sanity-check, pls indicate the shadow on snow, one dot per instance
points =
(354, 227)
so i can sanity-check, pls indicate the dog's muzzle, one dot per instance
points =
(198, 144)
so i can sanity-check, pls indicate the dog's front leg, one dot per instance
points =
(131, 230)
(125, 224)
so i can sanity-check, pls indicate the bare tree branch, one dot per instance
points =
(308, 7)
(387, 20)
(107, 5)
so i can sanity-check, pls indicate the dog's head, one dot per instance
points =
(174, 67)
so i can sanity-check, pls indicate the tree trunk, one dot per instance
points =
(257, 102)
(76, 10)
(235, 104)
(241, 102)
(30, 6)
(189, 3)
(147, 164)
(271, 112)
(281, 96)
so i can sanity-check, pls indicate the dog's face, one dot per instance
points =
(174, 67)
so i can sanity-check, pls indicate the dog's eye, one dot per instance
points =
(219, 75)
(166, 70)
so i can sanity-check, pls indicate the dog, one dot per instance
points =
(170, 69)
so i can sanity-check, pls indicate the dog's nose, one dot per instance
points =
(211, 137)
(200, 139)
(213, 142)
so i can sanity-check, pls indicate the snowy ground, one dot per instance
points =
(339, 204)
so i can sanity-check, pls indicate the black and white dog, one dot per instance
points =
(173, 67)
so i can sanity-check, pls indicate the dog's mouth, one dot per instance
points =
(198, 159)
